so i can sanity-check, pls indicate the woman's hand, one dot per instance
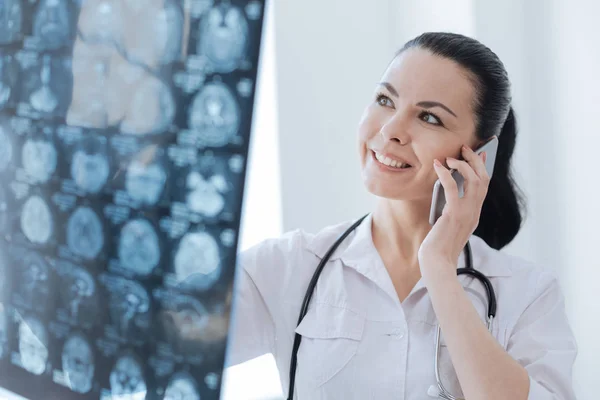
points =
(441, 248)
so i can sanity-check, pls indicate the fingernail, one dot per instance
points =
(437, 163)
(465, 147)
(484, 156)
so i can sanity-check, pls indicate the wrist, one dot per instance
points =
(438, 271)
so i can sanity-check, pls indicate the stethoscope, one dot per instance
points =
(468, 270)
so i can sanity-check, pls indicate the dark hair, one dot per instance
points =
(501, 214)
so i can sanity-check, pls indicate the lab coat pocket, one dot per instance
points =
(330, 339)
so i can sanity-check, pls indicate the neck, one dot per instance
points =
(399, 228)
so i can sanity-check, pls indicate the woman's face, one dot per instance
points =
(421, 110)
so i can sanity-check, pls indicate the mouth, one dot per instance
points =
(390, 163)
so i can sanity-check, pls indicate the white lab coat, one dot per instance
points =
(360, 342)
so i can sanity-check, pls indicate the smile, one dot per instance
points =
(388, 162)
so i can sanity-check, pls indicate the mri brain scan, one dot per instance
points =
(205, 196)
(223, 37)
(85, 236)
(197, 261)
(4, 327)
(102, 20)
(215, 114)
(182, 387)
(9, 73)
(6, 147)
(139, 248)
(5, 213)
(151, 110)
(11, 19)
(123, 133)
(33, 345)
(52, 24)
(144, 182)
(34, 285)
(127, 379)
(90, 167)
(36, 220)
(185, 323)
(78, 364)
(129, 307)
(44, 99)
(79, 292)
(39, 159)
(169, 31)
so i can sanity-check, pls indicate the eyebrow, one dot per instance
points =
(424, 104)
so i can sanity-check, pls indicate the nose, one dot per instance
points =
(395, 129)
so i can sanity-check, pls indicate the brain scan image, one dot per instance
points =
(159, 28)
(197, 261)
(102, 20)
(169, 31)
(91, 67)
(127, 379)
(6, 273)
(206, 195)
(223, 37)
(51, 24)
(36, 220)
(182, 387)
(5, 213)
(144, 181)
(186, 323)
(4, 330)
(34, 285)
(151, 110)
(44, 99)
(85, 236)
(79, 292)
(9, 73)
(129, 308)
(139, 247)
(39, 159)
(215, 114)
(11, 19)
(33, 345)
(90, 167)
(6, 148)
(78, 364)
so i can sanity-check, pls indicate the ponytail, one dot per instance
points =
(501, 217)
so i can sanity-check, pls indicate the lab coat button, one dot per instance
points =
(398, 333)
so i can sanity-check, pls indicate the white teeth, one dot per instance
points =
(389, 162)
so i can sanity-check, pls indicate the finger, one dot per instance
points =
(472, 180)
(447, 181)
(477, 162)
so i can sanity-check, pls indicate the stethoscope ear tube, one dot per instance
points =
(491, 295)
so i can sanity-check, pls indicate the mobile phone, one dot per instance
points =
(438, 200)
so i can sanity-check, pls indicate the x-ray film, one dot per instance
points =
(124, 134)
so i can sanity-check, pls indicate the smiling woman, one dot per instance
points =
(385, 282)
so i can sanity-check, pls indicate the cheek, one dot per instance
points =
(368, 128)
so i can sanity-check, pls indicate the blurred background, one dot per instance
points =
(320, 62)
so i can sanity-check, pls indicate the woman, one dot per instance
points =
(369, 332)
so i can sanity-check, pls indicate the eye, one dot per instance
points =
(384, 101)
(430, 118)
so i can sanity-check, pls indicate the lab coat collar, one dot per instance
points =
(359, 252)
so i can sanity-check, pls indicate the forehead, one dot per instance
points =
(419, 75)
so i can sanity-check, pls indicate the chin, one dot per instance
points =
(381, 189)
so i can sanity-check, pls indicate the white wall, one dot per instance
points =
(577, 102)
